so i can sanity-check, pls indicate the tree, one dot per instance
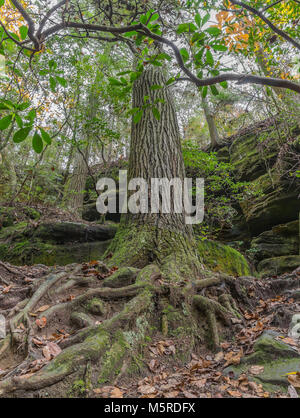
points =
(161, 245)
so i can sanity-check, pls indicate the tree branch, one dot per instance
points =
(267, 21)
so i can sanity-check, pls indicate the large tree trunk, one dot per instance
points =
(155, 152)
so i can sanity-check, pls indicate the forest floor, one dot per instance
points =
(164, 377)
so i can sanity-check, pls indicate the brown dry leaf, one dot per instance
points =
(42, 308)
(161, 347)
(33, 314)
(147, 390)
(292, 392)
(153, 365)
(41, 323)
(200, 383)
(225, 345)
(256, 369)
(51, 350)
(172, 394)
(233, 358)
(294, 380)
(234, 393)
(219, 356)
(289, 341)
(189, 394)
(7, 288)
(37, 341)
(116, 393)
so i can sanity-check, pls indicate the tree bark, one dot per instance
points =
(155, 149)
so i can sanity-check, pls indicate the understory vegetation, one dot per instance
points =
(144, 304)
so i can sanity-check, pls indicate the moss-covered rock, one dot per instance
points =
(277, 203)
(277, 359)
(36, 252)
(281, 240)
(62, 232)
(278, 265)
(252, 154)
(222, 258)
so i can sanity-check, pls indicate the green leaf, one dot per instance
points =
(23, 32)
(31, 115)
(131, 34)
(23, 106)
(53, 84)
(52, 64)
(198, 20)
(138, 116)
(209, 58)
(22, 134)
(5, 122)
(19, 121)
(221, 48)
(170, 81)
(205, 19)
(184, 53)
(2, 3)
(154, 17)
(156, 113)
(224, 84)
(115, 82)
(214, 90)
(46, 137)
(37, 143)
(186, 27)
(213, 31)
(156, 87)
(204, 92)
(44, 72)
(62, 81)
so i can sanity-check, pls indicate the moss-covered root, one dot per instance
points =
(212, 309)
(104, 341)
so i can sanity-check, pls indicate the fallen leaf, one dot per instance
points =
(51, 350)
(292, 392)
(256, 370)
(294, 380)
(219, 356)
(41, 323)
(116, 393)
(42, 308)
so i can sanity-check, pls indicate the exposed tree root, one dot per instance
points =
(107, 326)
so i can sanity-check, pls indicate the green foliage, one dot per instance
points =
(222, 192)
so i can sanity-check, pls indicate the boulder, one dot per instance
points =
(252, 153)
(62, 232)
(37, 252)
(277, 359)
(276, 266)
(279, 241)
(277, 204)
(222, 258)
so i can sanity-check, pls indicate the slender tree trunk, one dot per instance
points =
(74, 191)
(210, 119)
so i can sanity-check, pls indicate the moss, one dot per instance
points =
(277, 358)
(97, 307)
(278, 265)
(222, 258)
(252, 154)
(112, 360)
